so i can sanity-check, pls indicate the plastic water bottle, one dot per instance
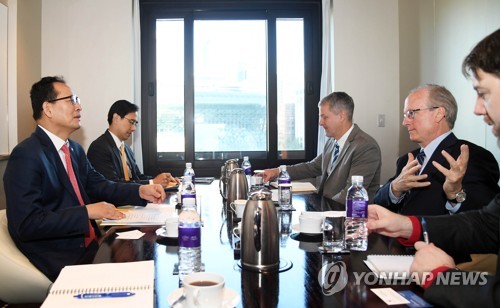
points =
(188, 190)
(189, 239)
(284, 189)
(356, 233)
(190, 171)
(245, 165)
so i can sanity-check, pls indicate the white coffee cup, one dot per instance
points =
(237, 230)
(238, 206)
(172, 226)
(310, 223)
(203, 289)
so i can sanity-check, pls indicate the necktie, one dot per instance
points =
(335, 155)
(420, 159)
(72, 178)
(124, 163)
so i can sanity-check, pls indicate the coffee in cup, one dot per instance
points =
(204, 289)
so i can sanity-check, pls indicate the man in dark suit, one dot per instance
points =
(476, 231)
(49, 183)
(357, 152)
(435, 186)
(113, 158)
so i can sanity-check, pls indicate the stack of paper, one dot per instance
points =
(299, 186)
(104, 279)
(150, 215)
(390, 266)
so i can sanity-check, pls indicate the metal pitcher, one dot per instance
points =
(260, 234)
(225, 172)
(237, 186)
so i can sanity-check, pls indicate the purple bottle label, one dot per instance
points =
(189, 237)
(248, 171)
(357, 208)
(284, 181)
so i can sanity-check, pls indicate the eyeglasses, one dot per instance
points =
(410, 113)
(132, 121)
(73, 98)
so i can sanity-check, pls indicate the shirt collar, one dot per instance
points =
(431, 147)
(117, 140)
(56, 141)
(343, 139)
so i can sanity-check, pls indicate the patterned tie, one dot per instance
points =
(336, 150)
(124, 163)
(420, 159)
(90, 236)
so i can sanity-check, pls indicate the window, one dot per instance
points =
(227, 80)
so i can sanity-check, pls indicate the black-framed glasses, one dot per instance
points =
(73, 99)
(132, 121)
(410, 113)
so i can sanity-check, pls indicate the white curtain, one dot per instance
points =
(326, 62)
(136, 24)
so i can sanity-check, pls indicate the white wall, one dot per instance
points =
(366, 66)
(90, 43)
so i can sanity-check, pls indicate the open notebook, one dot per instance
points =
(135, 277)
(390, 266)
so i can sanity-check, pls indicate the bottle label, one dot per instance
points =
(189, 237)
(184, 196)
(248, 171)
(357, 208)
(284, 181)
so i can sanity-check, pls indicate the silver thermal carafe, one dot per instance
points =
(225, 172)
(260, 234)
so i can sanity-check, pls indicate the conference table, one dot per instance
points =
(303, 280)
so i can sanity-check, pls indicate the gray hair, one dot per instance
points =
(339, 101)
(439, 96)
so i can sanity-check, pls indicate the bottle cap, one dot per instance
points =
(357, 179)
(188, 165)
(283, 167)
(245, 157)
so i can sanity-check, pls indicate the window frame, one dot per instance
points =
(270, 10)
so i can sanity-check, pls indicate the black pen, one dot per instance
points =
(424, 231)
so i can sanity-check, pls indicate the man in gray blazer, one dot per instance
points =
(358, 153)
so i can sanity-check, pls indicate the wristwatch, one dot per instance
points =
(459, 197)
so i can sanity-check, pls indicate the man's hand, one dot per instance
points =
(387, 223)
(454, 176)
(153, 193)
(408, 179)
(427, 258)
(102, 210)
(269, 174)
(165, 180)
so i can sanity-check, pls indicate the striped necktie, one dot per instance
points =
(90, 236)
(335, 155)
(421, 158)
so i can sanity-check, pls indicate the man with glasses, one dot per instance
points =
(438, 178)
(113, 158)
(49, 185)
(469, 232)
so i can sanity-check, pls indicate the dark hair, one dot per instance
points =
(485, 56)
(339, 101)
(121, 108)
(43, 91)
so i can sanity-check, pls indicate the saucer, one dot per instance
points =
(162, 231)
(231, 298)
(296, 227)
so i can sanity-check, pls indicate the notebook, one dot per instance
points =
(151, 215)
(135, 277)
(390, 266)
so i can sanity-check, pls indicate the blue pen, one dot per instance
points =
(424, 231)
(101, 295)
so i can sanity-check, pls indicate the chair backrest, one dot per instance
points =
(20, 281)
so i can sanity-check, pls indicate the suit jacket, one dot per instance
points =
(360, 155)
(470, 232)
(106, 159)
(479, 182)
(45, 218)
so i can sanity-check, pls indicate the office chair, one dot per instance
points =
(20, 281)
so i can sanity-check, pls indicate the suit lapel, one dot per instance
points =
(52, 155)
(116, 153)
